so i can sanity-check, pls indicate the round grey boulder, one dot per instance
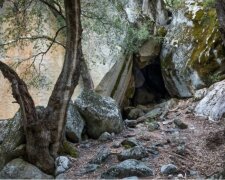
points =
(74, 124)
(128, 168)
(169, 169)
(137, 152)
(20, 169)
(101, 114)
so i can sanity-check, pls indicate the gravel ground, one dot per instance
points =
(197, 151)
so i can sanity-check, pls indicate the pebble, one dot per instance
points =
(180, 124)
(168, 169)
(180, 176)
(105, 137)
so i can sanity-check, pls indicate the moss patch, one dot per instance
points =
(68, 148)
(208, 46)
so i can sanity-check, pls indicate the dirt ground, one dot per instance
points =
(203, 141)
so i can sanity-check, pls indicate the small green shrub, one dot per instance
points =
(176, 4)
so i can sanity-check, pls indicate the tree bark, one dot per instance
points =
(220, 8)
(37, 134)
(44, 136)
(59, 100)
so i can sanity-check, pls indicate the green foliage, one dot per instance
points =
(121, 32)
(209, 3)
(176, 4)
(136, 37)
(215, 78)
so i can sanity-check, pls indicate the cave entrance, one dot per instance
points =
(149, 84)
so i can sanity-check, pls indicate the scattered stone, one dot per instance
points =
(85, 145)
(128, 168)
(193, 173)
(135, 113)
(105, 137)
(154, 113)
(116, 144)
(61, 176)
(131, 178)
(137, 152)
(152, 126)
(130, 142)
(180, 124)
(74, 124)
(180, 176)
(181, 150)
(153, 150)
(169, 169)
(62, 163)
(101, 156)
(129, 135)
(170, 176)
(91, 168)
(20, 169)
(101, 114)
(130, 123)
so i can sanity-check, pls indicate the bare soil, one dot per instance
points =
(204, 143)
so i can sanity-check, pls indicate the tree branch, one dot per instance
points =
(21, 94)
(53, 8)
(53, 40)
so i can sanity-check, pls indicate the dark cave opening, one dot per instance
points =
(149, 84)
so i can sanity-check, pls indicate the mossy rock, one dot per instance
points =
(192, 55)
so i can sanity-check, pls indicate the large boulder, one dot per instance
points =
(11, 136)
(192, 55)
(128, 168)
(101, 114)
(74, 124)
(213, 104)
(20, 169)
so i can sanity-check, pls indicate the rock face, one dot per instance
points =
(128, 168)
(11, 136)
(110, 66)
(118, 83)
(148, 52)
(20, 169)
(213, 104)
(101, 114)
(74, 125)
(192, 55)
(155, 9)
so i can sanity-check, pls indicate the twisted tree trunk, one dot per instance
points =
(44, 136)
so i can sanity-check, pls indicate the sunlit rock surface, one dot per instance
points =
(104, 54)
(212, 105)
